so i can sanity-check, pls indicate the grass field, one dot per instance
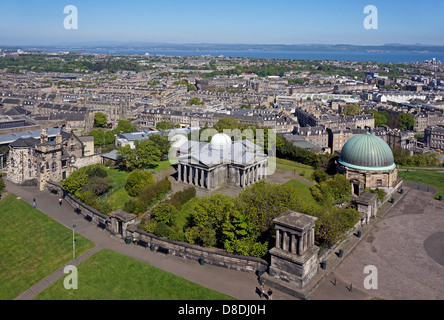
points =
(304, 190)
(108, 275)
(304, 170)
(32, 246)
(185, 212)
(433, 178)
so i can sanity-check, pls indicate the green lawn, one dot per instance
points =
(432, 178)
(108, 275)
(32, 246)
(304, 190)
(304, 170)
(118, 176)
(185, 212)
(162, 165)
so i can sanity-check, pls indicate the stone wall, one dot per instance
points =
(89, 160)
(21, 165)
(211, 256)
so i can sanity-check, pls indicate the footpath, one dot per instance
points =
(237, 284)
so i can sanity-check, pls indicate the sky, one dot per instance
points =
(31, 22)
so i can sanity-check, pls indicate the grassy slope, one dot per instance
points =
(108, 275)
(32, 246)
(433, 178)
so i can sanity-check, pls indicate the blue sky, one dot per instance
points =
(31, 22)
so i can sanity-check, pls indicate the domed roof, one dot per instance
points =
(367, 152)
(220, 141)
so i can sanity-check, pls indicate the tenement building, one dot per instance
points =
(434, 137)
(221, 162)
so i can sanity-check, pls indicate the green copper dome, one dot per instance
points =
(367, 152)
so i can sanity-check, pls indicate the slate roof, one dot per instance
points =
(242, 153)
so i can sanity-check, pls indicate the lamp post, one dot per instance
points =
(73, 242)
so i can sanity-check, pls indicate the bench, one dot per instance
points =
(142, 243)
(163, 250)
(88, 218)
(101, 225)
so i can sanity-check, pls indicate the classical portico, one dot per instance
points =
(216, 164)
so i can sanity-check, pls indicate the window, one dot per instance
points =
(379, 182)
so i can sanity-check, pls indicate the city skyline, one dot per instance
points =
(230, 22)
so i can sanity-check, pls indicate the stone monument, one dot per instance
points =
(294, 258)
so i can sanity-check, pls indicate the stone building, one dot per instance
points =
(367, 162)
(221, 162)
(434, 137)
(46, 159)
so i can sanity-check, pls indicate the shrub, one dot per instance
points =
(130, 206)
(185, 195)
(2, 185)
(96, 171)
(165, 212)
(138, 180)
(161, 229)
(106, 208)
(97, 184)
(75, 181)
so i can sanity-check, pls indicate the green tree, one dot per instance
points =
(100, 120)
(352, 108)
(75, 181)
(165, 212)
(145, 154)
(124, 126)
(138, 180)
(406, 120)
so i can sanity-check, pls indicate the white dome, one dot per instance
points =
(220, 141)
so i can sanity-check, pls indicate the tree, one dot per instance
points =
(164, 125)
(100, 120)
(406, 120)
(352, 108)
(145, 154)
(165, 212)
(194, 101)
(137, 180)
(161, 142)
(75, 181)
(124, 126)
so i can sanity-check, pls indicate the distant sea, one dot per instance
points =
(383, 57)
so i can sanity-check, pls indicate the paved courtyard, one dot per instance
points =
(406, 247)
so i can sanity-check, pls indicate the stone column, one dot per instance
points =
(284, 241)
(312, 238)
(202, 181)
(293, 241)
(179, 172)
(243, 179)
(278, 238)
(300, 245)
(185, 173)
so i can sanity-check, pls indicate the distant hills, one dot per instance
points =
(391, 47)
